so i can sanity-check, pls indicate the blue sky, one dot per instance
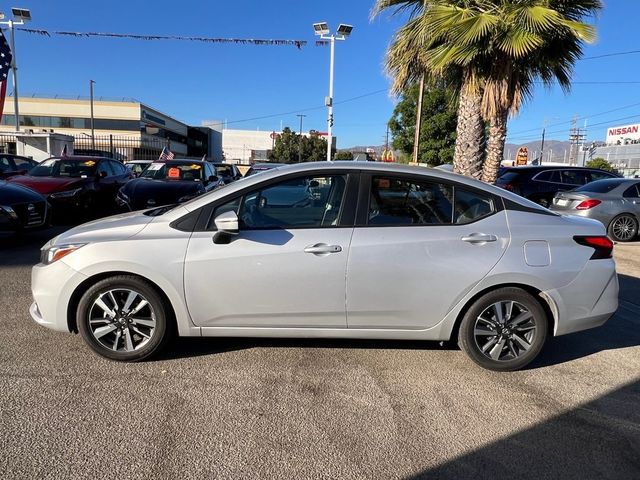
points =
(195, 81)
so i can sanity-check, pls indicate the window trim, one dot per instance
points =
(364, 199)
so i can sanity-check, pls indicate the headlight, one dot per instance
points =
(66, 194)
(8, 210)
(49, 255)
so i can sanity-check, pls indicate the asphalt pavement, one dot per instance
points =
(294, 409)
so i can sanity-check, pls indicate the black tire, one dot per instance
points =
(145, 341)
(479, 314)
(623, 228)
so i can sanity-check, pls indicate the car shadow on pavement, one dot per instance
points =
(24, 249)
(184, 347)
(559, 446)
(621, 331)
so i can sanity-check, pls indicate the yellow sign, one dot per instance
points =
(522, 157)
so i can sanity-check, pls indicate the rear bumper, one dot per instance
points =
(589, 301)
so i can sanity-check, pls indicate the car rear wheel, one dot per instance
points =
(123, 318)
(503, 330)
(623, 228)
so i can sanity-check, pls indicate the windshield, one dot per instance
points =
(600, 186)
(222, 170)
(65, 168)
(173, 171)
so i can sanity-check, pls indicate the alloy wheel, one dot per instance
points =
(122, 320)
(624, 228)
(504, 331)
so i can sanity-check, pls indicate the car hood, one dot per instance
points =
(47, 185)
(117, 227)
(15, 193)
(141, 190)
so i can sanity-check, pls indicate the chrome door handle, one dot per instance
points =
(322, 248)
(479, 238)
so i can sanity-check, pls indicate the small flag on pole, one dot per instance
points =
(63, 153)
(166, 154)
(5, 65)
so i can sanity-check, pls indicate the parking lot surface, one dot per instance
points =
(243, 408)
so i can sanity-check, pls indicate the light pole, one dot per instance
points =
(93, 135)
(322, 30)
(300, 142)
(20, 16)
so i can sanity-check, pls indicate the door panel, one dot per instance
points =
(264, 278)
(410, 277)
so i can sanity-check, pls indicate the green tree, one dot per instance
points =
(497, 49)
(600, 163)
(343, 155)
(437, 126)
(287, 148)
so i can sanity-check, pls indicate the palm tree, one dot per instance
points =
(501, 48)
(407, 62)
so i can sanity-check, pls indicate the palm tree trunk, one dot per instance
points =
(469, 152)
(495, 147)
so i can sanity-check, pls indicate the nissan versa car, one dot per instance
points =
(21, 208)
(615, 202)
(373, 251)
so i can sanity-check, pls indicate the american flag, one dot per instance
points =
(5, 65)
(166, 154)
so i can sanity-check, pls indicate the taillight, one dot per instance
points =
(602, 245)
(507, 186)
(587, 204)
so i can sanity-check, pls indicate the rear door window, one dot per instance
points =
(396, 201)
(599, 175)
(549, 176)
(471, 206)
(574, 177)
(631, 192)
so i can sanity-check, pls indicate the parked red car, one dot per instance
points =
(77, 186)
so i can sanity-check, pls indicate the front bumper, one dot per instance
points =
(52, 286)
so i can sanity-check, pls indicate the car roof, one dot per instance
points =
(180, 160)
(529, 168)
(374, 167)
(80, 157)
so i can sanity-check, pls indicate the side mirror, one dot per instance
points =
(102, 174)
(314, 184)
(212, 179)
(227, 222)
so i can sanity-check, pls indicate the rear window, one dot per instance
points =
(599, 186)
(509, 176)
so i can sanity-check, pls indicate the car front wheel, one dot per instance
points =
(123, 318)
(503, 330)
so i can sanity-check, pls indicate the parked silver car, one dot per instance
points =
(614, 202)
(375, 251)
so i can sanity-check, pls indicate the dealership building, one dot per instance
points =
(127, 126)
(621, 149)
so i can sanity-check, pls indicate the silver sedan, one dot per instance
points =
(374, 251)
(614, 202)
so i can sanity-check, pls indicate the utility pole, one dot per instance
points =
(416, 140)
(93, 133)
(576, 137)
(300, 142)
(544, 129)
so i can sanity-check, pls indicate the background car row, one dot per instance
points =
(79, 188)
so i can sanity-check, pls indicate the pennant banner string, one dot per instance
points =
(238, 41)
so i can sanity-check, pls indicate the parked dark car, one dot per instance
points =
(262, 167)
(227, 172)
(540, 183)
(21, 208)
(77, 186)
(11, 165)
(168, 182)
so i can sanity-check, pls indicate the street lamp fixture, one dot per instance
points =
(324, 32)
(20, 16)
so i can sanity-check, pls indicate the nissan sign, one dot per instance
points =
(627, 132)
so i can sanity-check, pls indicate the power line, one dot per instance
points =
(614, 54)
